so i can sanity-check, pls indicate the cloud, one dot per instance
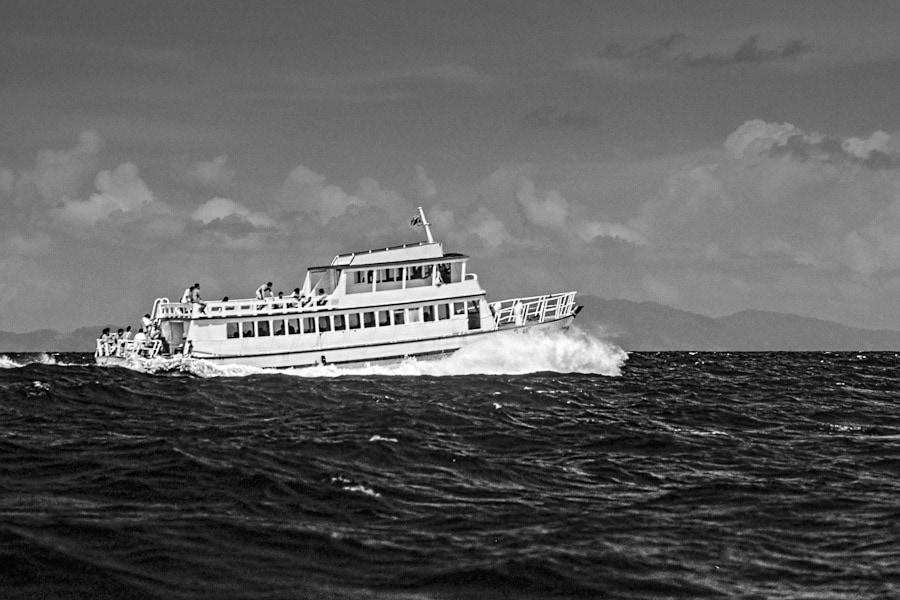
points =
(216, 174)
(555, 118)
(118, 191)
(679, 52)
(549, 210)
(60, 173)
(7, 182)
(785, 198)
(222, 208)
(423, 187)
(20, 244)
(306, 192)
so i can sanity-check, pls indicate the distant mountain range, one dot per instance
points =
(646, 326)
(636, 326)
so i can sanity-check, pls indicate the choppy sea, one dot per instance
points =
(557, 468)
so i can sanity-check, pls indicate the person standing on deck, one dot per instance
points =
(195, 298)
(264, 291)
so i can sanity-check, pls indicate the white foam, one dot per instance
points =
(43, 359)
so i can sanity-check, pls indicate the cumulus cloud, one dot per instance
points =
(308, 193)
(223, 208)
(120, 190)
(216, 174)
(59, 173)
(781, 194)
(543, 210)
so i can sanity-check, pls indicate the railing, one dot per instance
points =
(534, 309)
(164, 309)
(126, 348)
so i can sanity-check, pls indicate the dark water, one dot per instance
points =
(771, 475)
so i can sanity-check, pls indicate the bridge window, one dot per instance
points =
(232, 330)
(309, 324)
(459, 308)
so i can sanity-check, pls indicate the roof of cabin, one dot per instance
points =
(448, 257)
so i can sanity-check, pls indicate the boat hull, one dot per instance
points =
(386, 352)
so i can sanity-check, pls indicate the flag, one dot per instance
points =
(415, 221)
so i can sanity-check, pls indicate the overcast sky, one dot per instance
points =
(710, 156)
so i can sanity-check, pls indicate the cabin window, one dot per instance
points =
(399, 316)
(324, 323)
(415, 272)
(340, 323)
(309, 324)
(353, 318)
(413, 315)
(428, 313)
(293, 326)
(444, 271)
(247, 329)
(368, 319)
(369, 276)
(443, 311)
(262, 329)
(384, 318)
(278, 327)
(360, 277)
(232, 330)
(459, 308)
(474, 315)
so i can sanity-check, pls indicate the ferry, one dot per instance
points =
(375, 306)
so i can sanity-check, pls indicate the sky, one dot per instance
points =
(712, 156)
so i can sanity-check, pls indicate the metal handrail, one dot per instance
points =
(520, 311)
(126, 348)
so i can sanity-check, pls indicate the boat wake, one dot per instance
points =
(572, 351)
(21, 360)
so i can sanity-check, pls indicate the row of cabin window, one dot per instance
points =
(342, 322)
(396, 274)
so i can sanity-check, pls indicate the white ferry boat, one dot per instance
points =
(387, 304)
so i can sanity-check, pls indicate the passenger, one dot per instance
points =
(114, 343)
(225, 299)
(146, 322)
(186, 296)
(120, 346)
(296, 294)
(322, 298)
(128, 333)
(104, 342)
(517, 312)
(261, 290)
(195, 298)
(139, 338)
